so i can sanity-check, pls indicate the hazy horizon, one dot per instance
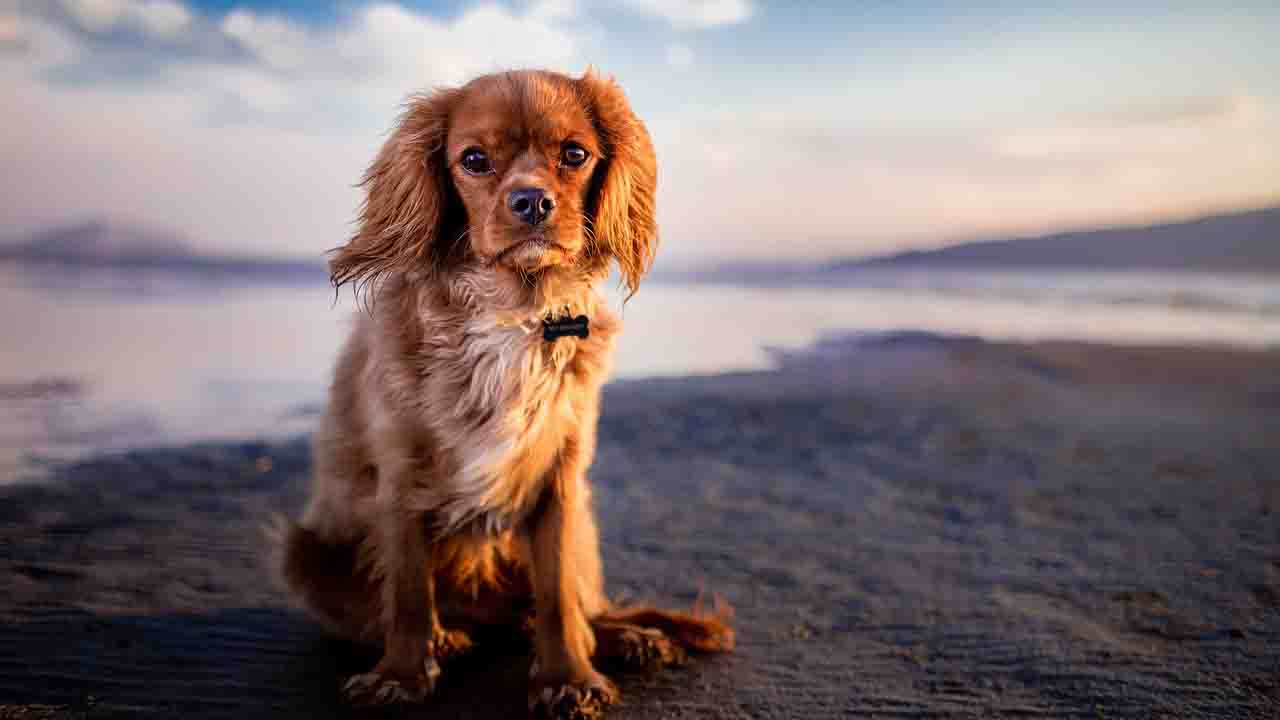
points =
(184, 247)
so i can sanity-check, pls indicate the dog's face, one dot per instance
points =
(515, 172)
(521, 157)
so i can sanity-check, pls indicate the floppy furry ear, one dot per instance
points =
(621, 206)
(408, 200)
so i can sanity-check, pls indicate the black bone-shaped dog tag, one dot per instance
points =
(566, 327)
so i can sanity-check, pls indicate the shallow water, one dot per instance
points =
(108, 359)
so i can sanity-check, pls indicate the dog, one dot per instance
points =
(449, 490)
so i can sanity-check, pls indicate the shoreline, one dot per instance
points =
(19, 466)
(912, 527)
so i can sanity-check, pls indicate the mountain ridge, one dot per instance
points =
(1242, 241)
(99, 240)
(107, 243)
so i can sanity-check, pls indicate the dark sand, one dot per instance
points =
(914, 528)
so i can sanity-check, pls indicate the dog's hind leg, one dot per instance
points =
(349, 596)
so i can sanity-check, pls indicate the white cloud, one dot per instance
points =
(407, 50)
(278, 43)
(250, 66)
(679, 56)
(262, 93)
(161, 18)
(553, 9)
(694, 14)
(381, 53)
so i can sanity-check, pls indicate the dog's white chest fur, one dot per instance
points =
(508, 421)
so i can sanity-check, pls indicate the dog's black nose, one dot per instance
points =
(530, 205)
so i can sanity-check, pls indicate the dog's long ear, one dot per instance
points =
(409, 207)
(621, 205)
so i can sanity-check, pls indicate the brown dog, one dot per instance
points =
(450, 484)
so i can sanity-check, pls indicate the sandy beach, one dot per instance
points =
(909, 527)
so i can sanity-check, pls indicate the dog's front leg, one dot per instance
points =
(565, 569)
(396, 550)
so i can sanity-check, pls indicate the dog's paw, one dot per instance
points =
(449, 644)
(561, 700)
(374, 689)
(635, 648)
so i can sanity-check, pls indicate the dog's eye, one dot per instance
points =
(573, 155)
(476, 162)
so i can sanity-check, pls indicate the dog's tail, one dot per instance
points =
(698, 630)
(326, 578)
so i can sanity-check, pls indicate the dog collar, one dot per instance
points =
(553, 328)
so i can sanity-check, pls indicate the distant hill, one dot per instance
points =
(99, 243)
(1235, 242)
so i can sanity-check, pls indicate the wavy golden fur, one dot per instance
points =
(450, 485)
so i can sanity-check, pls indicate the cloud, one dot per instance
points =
(695, 14)
(160, 18)
(34, 43)
(679, 56)
(278, 43)
(261, 68)
(404, 49)
(553, 9)
(783, 183)
(1212, 110)
(1167, 127)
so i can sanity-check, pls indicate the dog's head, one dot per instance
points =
(517, 172)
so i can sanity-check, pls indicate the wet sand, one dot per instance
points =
(908, 528)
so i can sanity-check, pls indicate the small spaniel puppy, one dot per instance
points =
(450, 488)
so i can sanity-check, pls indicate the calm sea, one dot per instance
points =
(96, 360)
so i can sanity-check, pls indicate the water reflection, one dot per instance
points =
(98, 359)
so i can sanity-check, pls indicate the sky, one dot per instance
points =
(783, 130)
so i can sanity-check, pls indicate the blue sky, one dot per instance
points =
(783, 129)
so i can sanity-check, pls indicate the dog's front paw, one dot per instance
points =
(552, 699)
(378, 688)
(449, 644)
